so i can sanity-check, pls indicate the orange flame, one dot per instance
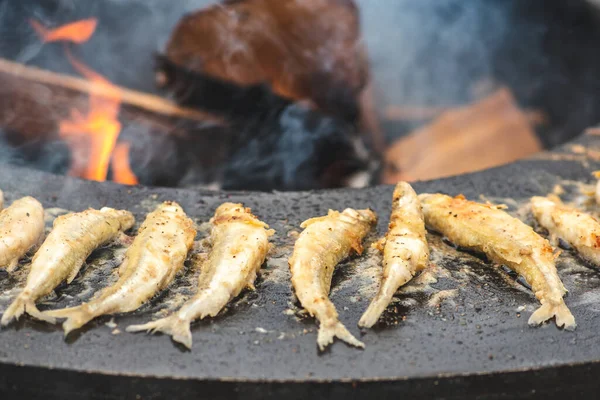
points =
(100, 125)
(76, 32)
(121, 168)
(91, 137)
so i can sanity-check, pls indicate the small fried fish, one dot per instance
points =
(578, 229)
(21, 228)
(325, 242)
(505, 240)
(405, 250)
(73, 238)
(240, 243)
(151, 262)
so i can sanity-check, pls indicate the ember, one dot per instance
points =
(76, 32)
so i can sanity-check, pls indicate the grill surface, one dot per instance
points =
(474, 343)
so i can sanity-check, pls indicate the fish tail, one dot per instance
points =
(374, 311)
(39, 29)
(397, 277)
(178, 328)
(330, 330)
(23, 304)
(560, 311)
(76, 317)
(14, 311)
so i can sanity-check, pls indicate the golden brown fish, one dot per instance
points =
(151, 262)
(73, 238)
(578, 229)
(505, 240)
(325, 242)
(405, 250)
(21, 228)
(240, 243)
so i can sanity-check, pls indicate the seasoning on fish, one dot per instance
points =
(73, 238)
(325, 242)
(21, 228)
(505, 240)
(151, 262)
(240, 242)
(578, 229)
(405, 250)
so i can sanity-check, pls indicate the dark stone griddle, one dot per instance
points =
(475, 344)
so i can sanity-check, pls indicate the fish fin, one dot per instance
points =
(14, 311)
(251, 278)
(76, 317)
(311, 221)
(24, 305)
(123, 239)
(563, 315)
(177, 328)
(379, 244)
(122, 268)
(12, 265)
(328, 331)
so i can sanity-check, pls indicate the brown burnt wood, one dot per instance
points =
(488, 133)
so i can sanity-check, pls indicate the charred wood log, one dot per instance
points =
(303, 50)
(234, 137)
(278, 143)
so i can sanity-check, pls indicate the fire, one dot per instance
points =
(76, 32)
(120, 165)
(100, 125)
(92, 137)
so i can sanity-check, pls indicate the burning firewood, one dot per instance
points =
(302, 49)
(34, 102)
(252, 136)
(277, 143)
(488, 133)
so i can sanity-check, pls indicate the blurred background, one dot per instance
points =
(291, 94)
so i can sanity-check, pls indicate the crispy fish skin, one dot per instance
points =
(240, 242)
(580, 230)
(21, 228)
(325, 242)
(151, 262)
(73, 238)
(505, 240)
(405, 250)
